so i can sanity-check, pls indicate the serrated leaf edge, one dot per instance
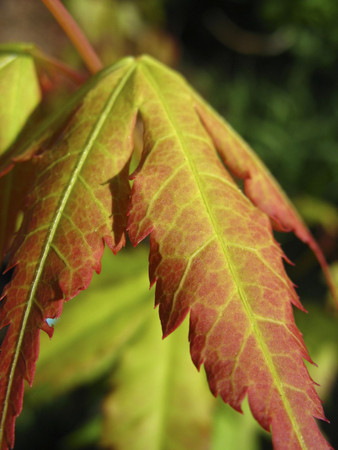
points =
(52, 230)
(233, 272)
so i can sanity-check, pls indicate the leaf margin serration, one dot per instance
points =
(136, 236)
(128, 63)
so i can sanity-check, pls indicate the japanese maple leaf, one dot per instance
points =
(75, 205)
(212, 253)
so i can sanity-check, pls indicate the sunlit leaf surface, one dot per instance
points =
(20, 94)
(212, 252)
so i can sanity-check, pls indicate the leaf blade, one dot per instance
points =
(62, 238)
(194, 224)
(20, 93)
(259, 185)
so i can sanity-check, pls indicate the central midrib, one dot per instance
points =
(52, 230)
(232, 270)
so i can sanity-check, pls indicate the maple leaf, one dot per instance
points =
(75, 206)
(87, 341)
(213, 255)
(212, 251)
(259, 185)
(153, 381)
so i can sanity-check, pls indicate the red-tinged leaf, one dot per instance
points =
(88, 340)
(77, 203)
(213, 254)
(259, 185)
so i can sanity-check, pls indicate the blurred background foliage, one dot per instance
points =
(270, 68)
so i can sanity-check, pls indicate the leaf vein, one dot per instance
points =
(232, 270)
(54, 225)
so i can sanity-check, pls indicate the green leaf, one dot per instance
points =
(158, 400)
(321, 336)
(234, 431)
(20, 94)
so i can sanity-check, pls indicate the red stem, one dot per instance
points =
(46, 61)
(75, 34)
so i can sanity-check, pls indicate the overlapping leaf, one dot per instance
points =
(235, 431)
(77, 203)
(20, 94)
(212, 250)
(213, 254)
(19, 85)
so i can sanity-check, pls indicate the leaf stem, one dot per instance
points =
(75, 34)
(46, 61)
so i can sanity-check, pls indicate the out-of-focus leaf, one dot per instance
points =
(20, 94)
(318, 212)
(320, 332)
(234, 431)
(158, 400)
(85, 436)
